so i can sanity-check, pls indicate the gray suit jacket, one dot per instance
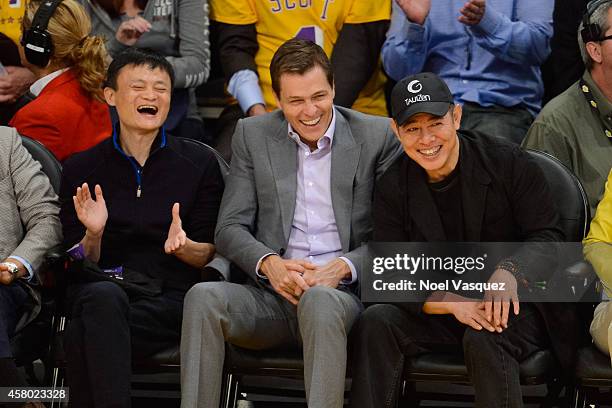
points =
(28, 210)
(259, 199)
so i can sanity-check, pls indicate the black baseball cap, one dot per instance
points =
(420, 93)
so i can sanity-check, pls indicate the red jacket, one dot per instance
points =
(64, 117)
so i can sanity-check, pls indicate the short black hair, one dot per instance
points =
(137, 57)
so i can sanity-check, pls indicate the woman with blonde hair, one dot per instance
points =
(68, 114)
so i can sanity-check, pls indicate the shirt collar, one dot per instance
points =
(325, 141)
(603, 104)
(40, 84)
(158, 143)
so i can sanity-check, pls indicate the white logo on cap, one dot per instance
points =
(415, 87)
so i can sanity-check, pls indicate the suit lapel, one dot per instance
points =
(345, 159)
(474, 186)
(283, 160)
(421, 205)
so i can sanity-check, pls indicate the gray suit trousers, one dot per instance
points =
(255, 318)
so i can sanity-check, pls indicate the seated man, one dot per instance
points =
(30, 227)
(490, 56)
(598, 251)
(249, 32)
(455, 186)
(295, 211)
(576, 126)
(154, 212)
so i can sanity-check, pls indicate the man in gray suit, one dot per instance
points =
(295, 210)
(30, 227)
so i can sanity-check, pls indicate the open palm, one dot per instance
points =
(415, 10)
(176, 235)
(92, 213)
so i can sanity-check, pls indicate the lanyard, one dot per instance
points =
(586, 91)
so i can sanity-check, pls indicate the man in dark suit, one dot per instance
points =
(294, 213)
(457, 186)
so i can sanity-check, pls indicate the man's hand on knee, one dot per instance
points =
(498, 302)
(470, 312)
(285, 276)
(329, 274)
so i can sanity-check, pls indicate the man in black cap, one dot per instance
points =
(456, 186)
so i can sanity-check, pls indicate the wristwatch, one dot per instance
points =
(12, 268)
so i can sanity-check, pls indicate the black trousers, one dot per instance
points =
(511, 124)
(106, 332)
(12, 298)
(386, 335)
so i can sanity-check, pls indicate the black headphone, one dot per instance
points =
(36, 41)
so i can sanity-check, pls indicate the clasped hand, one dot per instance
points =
(290, 278)
(493, 311)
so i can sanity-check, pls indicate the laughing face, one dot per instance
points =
(142, 98)
(307, 103)
(432, 141)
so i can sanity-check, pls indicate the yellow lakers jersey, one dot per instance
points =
(276, 21)
(11, 14)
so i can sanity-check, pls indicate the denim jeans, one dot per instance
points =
(386, 335)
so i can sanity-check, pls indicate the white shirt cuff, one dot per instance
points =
(353, 271)
(244, 86)
(27, 266)
(261, 275)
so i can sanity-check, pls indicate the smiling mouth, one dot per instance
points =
(431, 152)
(147, 110)
(313, 122)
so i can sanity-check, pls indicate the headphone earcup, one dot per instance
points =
(37, 47)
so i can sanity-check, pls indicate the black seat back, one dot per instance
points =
(568, 195)
(199, 145)
(50, 166)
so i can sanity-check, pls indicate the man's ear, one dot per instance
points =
(109, 95)
(457, 113)
(394, 127)
(594, 50)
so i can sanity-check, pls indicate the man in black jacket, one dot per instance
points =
(136, 202)
(457, 187)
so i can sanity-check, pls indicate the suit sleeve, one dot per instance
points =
(389, 151)
(357, 51)
(37, 203)
(236, 226)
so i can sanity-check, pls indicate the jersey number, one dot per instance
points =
(311, 33)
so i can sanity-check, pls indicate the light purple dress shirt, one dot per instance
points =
(314, 234)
